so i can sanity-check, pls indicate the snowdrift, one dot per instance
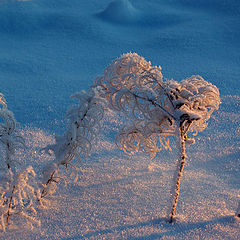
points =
(120, 11)
(123, 12)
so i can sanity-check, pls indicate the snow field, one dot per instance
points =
(53, 48)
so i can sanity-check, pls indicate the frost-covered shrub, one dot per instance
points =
(19, 197)
(8, 139)
(18, 191)
(158, 108)
(83, 125)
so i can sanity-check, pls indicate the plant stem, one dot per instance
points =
(10, 206)
(154, 104)
(49, 181)
(179, 173)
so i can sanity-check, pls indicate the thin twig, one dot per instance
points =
(154, 103)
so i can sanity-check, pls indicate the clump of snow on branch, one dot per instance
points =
(194, 99)
(83, 125)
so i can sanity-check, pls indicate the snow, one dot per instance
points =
(120, 11)
(51, 49)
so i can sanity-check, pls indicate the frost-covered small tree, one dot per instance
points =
(18, 192)
(83, 123)
(157, 108)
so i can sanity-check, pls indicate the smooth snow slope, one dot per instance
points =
(50, 49)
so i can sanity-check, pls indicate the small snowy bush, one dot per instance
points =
(19, 198)
(18, 191)
(83, 125)
(158, 109)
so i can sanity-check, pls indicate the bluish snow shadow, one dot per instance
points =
(119, 228)
(161, 223)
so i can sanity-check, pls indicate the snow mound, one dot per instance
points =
(123, 12)
(120, 11)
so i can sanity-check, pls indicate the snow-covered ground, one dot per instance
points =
(50, 49)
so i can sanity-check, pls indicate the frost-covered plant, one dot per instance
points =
(17, 188)
(18, 197)
(158, 109)
(83, 124)
(8, 139)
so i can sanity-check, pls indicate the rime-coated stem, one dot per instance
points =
(8, 154)
(43, 194)
(10, 206)
(238, 210)
(179, 173)
(51, 178)
(155, 104)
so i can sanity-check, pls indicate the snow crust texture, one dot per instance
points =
(118, 197)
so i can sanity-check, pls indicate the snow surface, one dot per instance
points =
(50, 49)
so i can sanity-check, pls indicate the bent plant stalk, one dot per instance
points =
(179, 171)
(10, 206)
(68, 147)
(49, 181)
(8, 160)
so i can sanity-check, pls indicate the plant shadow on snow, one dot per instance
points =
(125, 180)
(119, 228)
(160, 223)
